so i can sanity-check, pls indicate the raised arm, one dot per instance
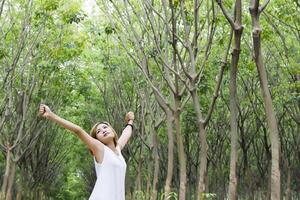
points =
(94, 145)
(127, 132)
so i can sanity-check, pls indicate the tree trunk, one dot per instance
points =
(1, 7)
(255, 11)
(237, 28)
(203, 146)
(19, 191)
(170, 154)
(138, 182)
(11, 179)
(203, 161)
(156, 166)
(181, 152)
(234, 112)
(6, 174)
(288, 185)
(148, 185)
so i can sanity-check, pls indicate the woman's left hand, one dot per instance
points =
(129, 117)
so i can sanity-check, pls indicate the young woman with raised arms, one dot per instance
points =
(106, 148)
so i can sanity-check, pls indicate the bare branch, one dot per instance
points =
(1, 7)
(184, 102)
(207, 53)
(263, 6)
(165, 64)
(158, 14)
(166, 77)
(182, 64)
(188, 45)
(225, 12)
(219, 81)
(196, 21)
(143, 68)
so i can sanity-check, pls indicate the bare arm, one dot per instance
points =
(94, 145)
(127, 132)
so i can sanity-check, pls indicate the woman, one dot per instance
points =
(106, 149)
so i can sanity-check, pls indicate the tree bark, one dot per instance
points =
(233, 127)
(181, 152)
(203, 144)
(138, 181)
(156, 166)
(11, 180)
(234, 112)
(19, 191)
(1, 7)
(255, 11)
(6, 173)
(237, 28)
(170, 154)
(177, 106)
(288, 185)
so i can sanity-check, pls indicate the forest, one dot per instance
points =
(214, 85)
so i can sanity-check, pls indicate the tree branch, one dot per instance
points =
(263, 6)
(1, 7)
(218, 85)
(225, 12)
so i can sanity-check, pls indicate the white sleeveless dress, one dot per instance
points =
(110, 184)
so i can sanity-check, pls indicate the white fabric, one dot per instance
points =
(110, 184)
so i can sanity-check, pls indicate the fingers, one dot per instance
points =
(129, 116)
(42, 109)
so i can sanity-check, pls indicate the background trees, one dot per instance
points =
(168, 62)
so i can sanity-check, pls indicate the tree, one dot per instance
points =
(255, 11)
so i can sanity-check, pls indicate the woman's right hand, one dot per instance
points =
(44, 111)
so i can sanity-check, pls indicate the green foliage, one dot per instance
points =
(3, 53)
(209, 196)
(71, 12)
(170, 196)
(109, 29)
(49, 5)
(139, 195)
(79, 66)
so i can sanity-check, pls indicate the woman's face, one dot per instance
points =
(104, 133)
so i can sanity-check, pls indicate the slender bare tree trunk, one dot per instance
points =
(202, 123)
(1, 7)
(148, 185)
(19, 191)
(255, 11)
(138, 181)
(156, 166)
(11, 180)
(203, 160)
(236, 25)
(6, 173)
(238, 30)
(181, 152)
(170, 153)
(288, 185)
(177, 105)
(203, 143)
(232, 194)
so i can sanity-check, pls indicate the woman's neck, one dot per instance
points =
(112, 146)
